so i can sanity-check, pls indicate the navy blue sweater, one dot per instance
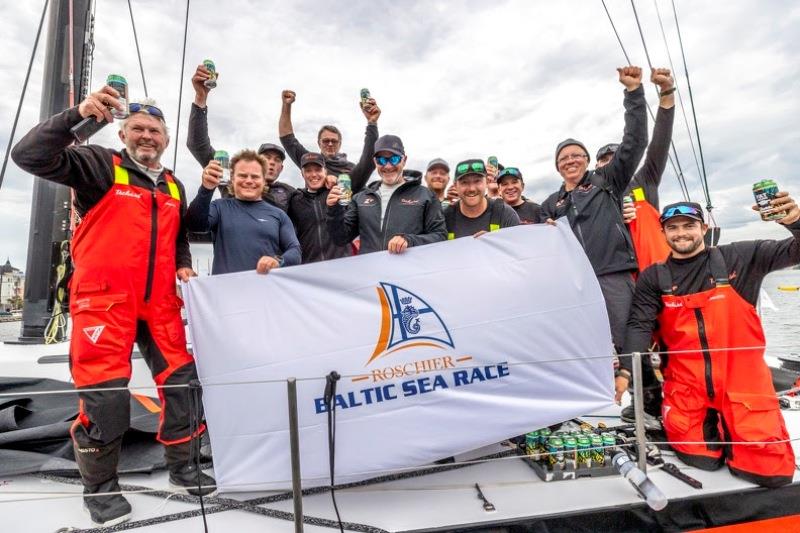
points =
(242, 232)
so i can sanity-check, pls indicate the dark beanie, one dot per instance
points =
(568, 142)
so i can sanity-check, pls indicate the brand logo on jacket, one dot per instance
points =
(94, 332)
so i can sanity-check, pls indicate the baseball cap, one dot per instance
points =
(509, 172)
(269, 147)
(682, 209)
(389, 143)
(569, 142)
(610, 148)
(312, 158)
(438, 162)
(469, 167)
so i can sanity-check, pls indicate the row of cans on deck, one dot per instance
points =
(570, 449)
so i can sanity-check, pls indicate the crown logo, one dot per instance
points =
(406, 300)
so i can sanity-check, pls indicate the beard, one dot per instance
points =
(684, 246)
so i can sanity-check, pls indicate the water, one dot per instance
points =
(782, 327)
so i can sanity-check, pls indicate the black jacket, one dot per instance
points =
(594, 209)
(307, 210)
(47, 152)
(413, 212)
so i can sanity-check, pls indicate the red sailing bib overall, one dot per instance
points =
(123, 289)
(645, 229)
(716, 395)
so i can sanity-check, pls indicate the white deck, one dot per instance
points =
(443, 500)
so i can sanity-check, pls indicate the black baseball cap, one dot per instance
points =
(683, 209)
(269, 147)
(438, 162)
(610, 148)
(389, 143)
(312, 158)
(509, 172)
(470, 167)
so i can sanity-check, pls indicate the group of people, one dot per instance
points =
(132, 241)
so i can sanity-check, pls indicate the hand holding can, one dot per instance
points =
(211, 82)
(221, 156)
(346, 187)
(765, 191)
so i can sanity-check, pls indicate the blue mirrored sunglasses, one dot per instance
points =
(680, 210)
(144, 108)
(394, 159)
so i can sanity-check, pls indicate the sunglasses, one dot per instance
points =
(510, 171)
(681, 210)
(329, 141)
(476, 166)
(144, 108)
(394, 159)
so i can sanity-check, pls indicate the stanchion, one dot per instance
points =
(294, 443)
(638, 409)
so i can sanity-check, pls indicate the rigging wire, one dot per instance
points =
(180, 87)
(677, 89)
(138, 52)
(679, 170)
(704, 182)
(679, 175)
(22, 96)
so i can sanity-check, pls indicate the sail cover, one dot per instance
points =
(443, 349)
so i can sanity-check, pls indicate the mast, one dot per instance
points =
(50, 208)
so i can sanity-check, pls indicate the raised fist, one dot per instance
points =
(288, 97)
(630, 77)
(663, 78)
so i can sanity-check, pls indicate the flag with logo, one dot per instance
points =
(441, 350)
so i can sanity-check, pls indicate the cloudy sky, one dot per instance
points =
(455, 79)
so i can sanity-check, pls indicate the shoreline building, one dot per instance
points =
(12, 286)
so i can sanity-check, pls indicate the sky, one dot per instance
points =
(457, 80)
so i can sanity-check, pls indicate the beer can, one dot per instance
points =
(211, 82)
(364, 96)
(347, 189)
(764, 191)
(221, 156)
(627, 199)
(584, 457)
(570, 451)
(532, 444)
(492, 160)
(596, 451)
(555, 447)
(119, 84)
(544, 436)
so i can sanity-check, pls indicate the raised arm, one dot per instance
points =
(649, 176)
(366, 164)
(199, 218)
(293, 148)
(619, 172)
(197, 140)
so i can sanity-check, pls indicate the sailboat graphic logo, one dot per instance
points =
(407, 321)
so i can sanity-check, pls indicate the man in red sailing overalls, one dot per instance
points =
(126, 251)
(717, 386)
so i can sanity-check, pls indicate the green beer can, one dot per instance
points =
(764, 191)
(211, 82)
(347, 189)
(119, 84)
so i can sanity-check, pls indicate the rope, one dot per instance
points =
(677, 89)
(180, 88)
(138, 52)
(704, 181)
(22, 96)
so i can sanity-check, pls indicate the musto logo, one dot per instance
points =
(415, 354)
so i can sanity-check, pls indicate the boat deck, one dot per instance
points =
(441, 501)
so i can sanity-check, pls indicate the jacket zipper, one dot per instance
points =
(701, 330)
(574, 209)
(152, 258)
(318, 216)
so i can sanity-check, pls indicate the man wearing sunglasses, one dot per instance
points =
(391, 214)
(717, 386)
(129, 246)
(591, 199)
(329, 140)
(475, 214)
(277, 192)
(511, 185)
